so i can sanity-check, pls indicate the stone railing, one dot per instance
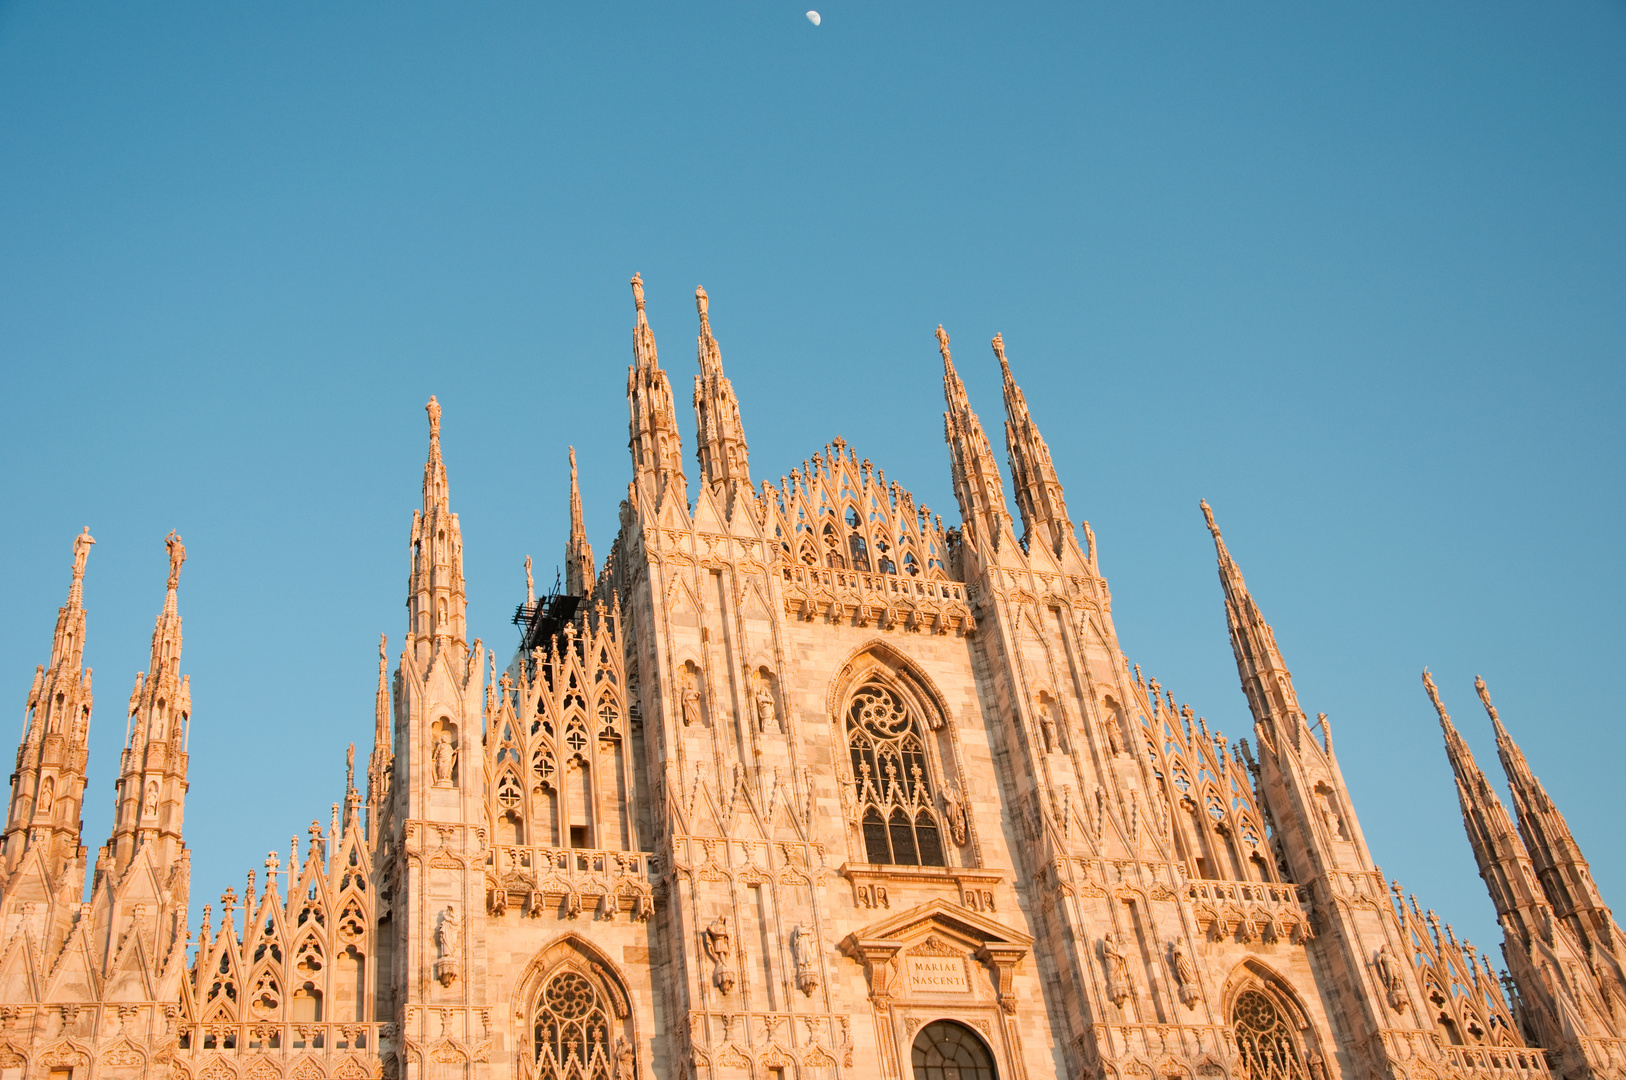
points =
(1253, 910)
(1189, 1041)
(1524, 1063)
(272, 1038)
(889, 601)
(578, 878)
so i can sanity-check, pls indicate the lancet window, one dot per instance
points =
(1264, 1039)
(571, 1029)
(892, 780)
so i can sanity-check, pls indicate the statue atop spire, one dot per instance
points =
(1208, 515)
(81, 552)
(1484, 697)
(700, 304)
(1434, 696)
(177, 556)
(530, 583)
(433, 409)
(638, 293)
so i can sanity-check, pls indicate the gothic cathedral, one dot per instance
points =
(799, 783)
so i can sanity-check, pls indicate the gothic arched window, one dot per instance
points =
(948, 1051)
(572, 1030)
(1265, 1040)
(891, 776)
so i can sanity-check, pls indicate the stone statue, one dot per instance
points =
(448, 932)
(47, 796)
(1389, 976)
(1434, 695)
(638, 291)
(1117, 967)
(149, 805)
(530, 585)
(177, 556)
(433, 409)
(1047, 724)
(1185, 975)
(624, 1060)
(81, 551)
(954, 811)
(444, 760)
(719, 946)
(767, 717)
(719, 942)
(1335, 824)
(803, 952)
(691, 704)
(1479, 685)
(1114, 735)
(1318, 1065)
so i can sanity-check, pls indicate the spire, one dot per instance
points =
(1265, 678)
(578, 552)
(1038, 491)
(1503, 861)
(657, 450)
(435, 600)
(1560, 867)
(152, 770)
(724, 460)
(47, 790)
(381, 762)
(1554, 969)
(977, 484)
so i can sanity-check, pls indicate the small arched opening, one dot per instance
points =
(945, 1050)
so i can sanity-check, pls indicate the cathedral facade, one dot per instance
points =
(800, 782)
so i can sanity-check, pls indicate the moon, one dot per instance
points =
(813, 17)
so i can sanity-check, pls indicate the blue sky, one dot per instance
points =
(1354, 273)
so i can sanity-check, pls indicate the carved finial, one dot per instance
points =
(177, 556)
(433, 409)
(1434, 696)
(1484, 696)
(1208, 515)
(999, 351)
(943, 344)
(350, 767)
(638, 291)
(383, 640)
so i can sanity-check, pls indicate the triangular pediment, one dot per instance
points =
(941, 915)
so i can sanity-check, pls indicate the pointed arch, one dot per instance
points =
(1272, 1031)
(575, 1015)
(877, 654)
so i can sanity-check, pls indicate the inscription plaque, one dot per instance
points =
(938, 975)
